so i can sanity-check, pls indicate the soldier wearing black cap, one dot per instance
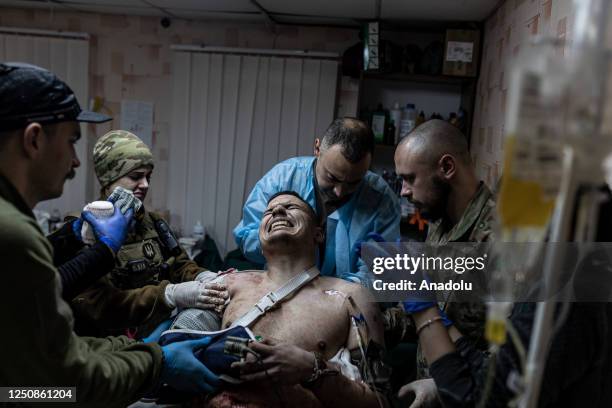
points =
(39, 117)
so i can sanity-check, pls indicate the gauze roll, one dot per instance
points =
(124, 199)
(99, 209)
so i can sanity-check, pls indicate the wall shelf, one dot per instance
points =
(430, 79)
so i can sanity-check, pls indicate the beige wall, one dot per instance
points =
(130, 58)
(509, 29)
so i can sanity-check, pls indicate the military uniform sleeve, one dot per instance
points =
(107, 307)
(89, 265)
(103, 308)
(78, 266)
(184, 269)
(64, 242)
(39, 347)
(110, 343)
(569, 373)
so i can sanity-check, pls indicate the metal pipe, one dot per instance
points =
(44, 33)
(257, 51)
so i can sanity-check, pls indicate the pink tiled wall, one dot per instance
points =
(130, 58)
(510, 28)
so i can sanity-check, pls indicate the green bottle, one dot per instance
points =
(379, 123)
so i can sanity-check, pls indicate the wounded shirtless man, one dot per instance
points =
(322, 346)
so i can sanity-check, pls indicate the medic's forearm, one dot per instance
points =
(434, 338)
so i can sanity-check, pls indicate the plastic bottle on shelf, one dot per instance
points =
(396, 118)
(379, 123)
(408, 121)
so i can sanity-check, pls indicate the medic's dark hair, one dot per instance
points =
(354, 137)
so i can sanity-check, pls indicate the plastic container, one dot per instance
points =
(379, 123)
(408, 121)
(198, 231)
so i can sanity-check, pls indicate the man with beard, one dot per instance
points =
(439, 178)
(325, 318)
(357, 204)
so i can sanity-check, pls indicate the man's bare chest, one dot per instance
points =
(314, 319)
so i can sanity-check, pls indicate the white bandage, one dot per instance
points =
(342, 360)
(99, 209)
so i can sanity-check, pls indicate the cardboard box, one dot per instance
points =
(461, 53)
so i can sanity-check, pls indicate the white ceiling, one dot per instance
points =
(326, 12)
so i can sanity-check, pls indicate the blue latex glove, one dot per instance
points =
(415, 307)
(423, 300)
(183, 371)
(156, 334)
(76, 228)
(112, 231)
(447, 322)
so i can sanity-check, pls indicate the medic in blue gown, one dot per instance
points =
(357, 204)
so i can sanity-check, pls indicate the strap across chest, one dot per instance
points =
(270, 299)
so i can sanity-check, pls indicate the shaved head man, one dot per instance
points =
(438, 177)
(437, 170)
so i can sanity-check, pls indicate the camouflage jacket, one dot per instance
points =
(476, 225)
(131, 299)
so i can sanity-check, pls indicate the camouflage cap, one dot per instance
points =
(117, 153)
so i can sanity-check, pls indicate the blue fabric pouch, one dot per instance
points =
(214, 356)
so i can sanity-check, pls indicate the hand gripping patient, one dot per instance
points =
(322, 344)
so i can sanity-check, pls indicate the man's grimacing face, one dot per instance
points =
(287, 218)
